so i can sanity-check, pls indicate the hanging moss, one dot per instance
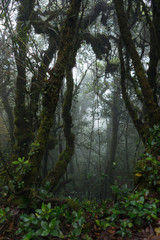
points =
(100, 44)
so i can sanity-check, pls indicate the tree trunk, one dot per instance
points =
(23, 127)
(114, 137)
(151, 106)
(50, 100)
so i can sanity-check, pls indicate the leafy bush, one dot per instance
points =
(78, 221)
(46, 221)
(138, 208)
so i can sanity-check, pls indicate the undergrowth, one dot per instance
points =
(131, 211)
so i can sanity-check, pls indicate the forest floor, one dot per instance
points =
(93, 227)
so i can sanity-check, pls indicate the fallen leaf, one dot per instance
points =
(157, 231)
(138, 175)
(111, 230)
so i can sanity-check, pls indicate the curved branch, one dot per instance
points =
(141, 128)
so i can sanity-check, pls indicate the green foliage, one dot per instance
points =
(44, 191)
(120, 192)
(154, 139)
(46, 221)
(132, 210)
(34, 148)
(23, 166)
(103, 224)
(78, 221)
(148, 170)
(4, 214)
(125, 225)
(137, 208)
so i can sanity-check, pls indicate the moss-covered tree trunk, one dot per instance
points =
(52, 90)
(23, 127)
(153, 110)
(147, 84)
(142, 128)
(65, 156)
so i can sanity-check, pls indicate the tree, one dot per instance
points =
(146, 82)
(31, 140)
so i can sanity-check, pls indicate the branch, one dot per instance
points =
(137, 122)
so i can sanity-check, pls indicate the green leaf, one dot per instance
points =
(38, 232)
(26, 162)
(34, 221)
(39, 212)
(44, 225)
(141, 199)
(153, 216)
(25, 218)
(45, 233)
(53, 223)
(49, 206)
(77, 231)
(55, 233)
(74, 224)
(15, 162)
(130, 224)
(28, 236)
(81, 221)
(43, 207)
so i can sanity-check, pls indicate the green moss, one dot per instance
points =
(73, 205)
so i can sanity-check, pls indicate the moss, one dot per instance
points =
(100, 44)
(73, 205)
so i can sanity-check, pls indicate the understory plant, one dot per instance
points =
(47, 222)
(134, 210)
(147, 172)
